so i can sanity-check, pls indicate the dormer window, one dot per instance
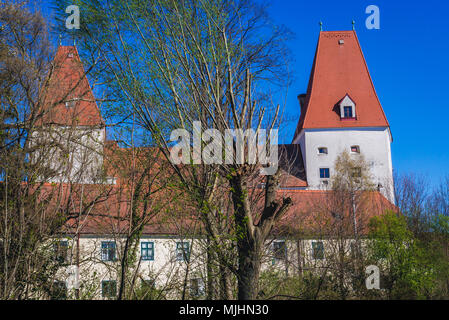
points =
(322, 150)
(347, 108)
(71, 103)
(347, 112)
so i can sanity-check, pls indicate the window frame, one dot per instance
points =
(105, 251)
(351, 110)
(59, 290)
(326, 151)
(147, 249)
(278, 251)
(103, 287)
(197, 290)
(324, 175)
(61, 252)
(182, 255)
(357, 147)
(356, 172)
(318, 255)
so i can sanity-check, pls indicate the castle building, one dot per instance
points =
(340, 112)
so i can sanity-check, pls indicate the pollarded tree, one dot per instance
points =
(175, 63)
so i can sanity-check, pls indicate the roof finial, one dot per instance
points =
(60, 39)
(321, 25)
(353, 24)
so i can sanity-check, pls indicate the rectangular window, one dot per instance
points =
(197, 288)
(355, 149)
(356, 172)
(58, 291)
(348, 112)
(317, 250)
(108, 250)
(324, 173)
(182, 251)
(147, 251)
(279, 250)
(108, 288)
(61, 249)
(322, 150)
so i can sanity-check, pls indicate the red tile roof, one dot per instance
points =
(338, 70)
(67, 81)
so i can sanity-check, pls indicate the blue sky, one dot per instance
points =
(408, 61)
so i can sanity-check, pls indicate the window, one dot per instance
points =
(322, 150)
(279, 250)
(356, 172)
(71, 103)
(347, 112)
(147, 251)
(108, 250)
(61, 249)
(197, 287)
(58, 291)
(317, 250)
(355, 149)
(108, 288)
(182, 251)
(347, 108)
(324, 173)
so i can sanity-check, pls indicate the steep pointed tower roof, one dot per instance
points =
(68, 98)
(339, 69)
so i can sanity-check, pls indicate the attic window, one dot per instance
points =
(70, 55)
(71, 103)
(322, 150)
(347, 108)
(348, 112)
(341, 41)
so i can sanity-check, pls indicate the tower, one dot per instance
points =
(341, 111)
(70, 124)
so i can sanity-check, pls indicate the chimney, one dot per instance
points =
(302, 101)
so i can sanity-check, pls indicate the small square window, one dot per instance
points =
(182, 251)
(147, 251)
(355, 149)
(348, 112)
(318, 250)
(109, 288)
(71, 103)
(322, 150)
(108, 250)
(324, 173)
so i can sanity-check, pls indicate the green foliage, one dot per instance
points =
(405, 262)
